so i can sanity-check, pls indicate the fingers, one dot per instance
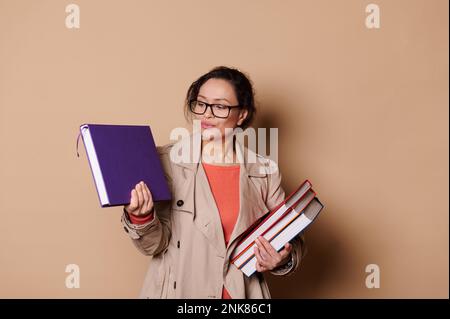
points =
(262, 264)
(271, 257)
(134, 199)
(133, 202)
(149, 206)
(260, 268)
(146, 198)
(140, 195)
(262, 250)
(259, 261)
(267, 258)
(268, 247)
(141, 200)
(259, 258)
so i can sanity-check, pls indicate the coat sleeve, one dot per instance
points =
(275, 196)
(153, 237)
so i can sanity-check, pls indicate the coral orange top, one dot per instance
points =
(224, 183)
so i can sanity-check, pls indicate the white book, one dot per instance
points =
(272, 218)
(279, 226)
(293, 229)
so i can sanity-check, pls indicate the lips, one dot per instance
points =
(206, 125)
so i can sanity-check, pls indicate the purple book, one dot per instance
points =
(120, 156)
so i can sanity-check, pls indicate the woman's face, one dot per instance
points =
(219, 91)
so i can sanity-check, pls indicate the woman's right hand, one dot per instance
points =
(141, 203)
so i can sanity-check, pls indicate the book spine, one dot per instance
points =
(94, 164)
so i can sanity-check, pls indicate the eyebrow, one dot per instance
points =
(213, 99)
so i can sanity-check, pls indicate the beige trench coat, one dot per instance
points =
(186, 241)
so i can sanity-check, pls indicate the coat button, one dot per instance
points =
(180, 203)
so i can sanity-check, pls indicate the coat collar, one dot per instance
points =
(247, 158)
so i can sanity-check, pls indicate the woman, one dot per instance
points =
(215, 200)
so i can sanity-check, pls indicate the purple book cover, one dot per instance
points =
(123, 155)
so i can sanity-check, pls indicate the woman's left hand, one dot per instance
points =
(267, 258)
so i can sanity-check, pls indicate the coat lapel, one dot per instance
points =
(207, 217)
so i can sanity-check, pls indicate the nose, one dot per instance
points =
(208, 113)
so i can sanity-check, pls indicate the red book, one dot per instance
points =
(278, 227)
(270, 219)
(290, 226)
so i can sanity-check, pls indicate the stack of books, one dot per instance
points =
(279, 226)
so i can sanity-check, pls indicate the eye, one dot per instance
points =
(200, 103)
(220, 107)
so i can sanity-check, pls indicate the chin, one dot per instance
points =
(211, 133)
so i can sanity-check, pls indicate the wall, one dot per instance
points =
(362, 113)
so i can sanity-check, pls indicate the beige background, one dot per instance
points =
(362, 113)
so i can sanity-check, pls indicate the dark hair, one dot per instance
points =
(243, 89)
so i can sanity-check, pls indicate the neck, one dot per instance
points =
(219, 151)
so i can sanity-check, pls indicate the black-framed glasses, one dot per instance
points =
(218, 110)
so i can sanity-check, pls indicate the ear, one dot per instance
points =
(242, 116)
